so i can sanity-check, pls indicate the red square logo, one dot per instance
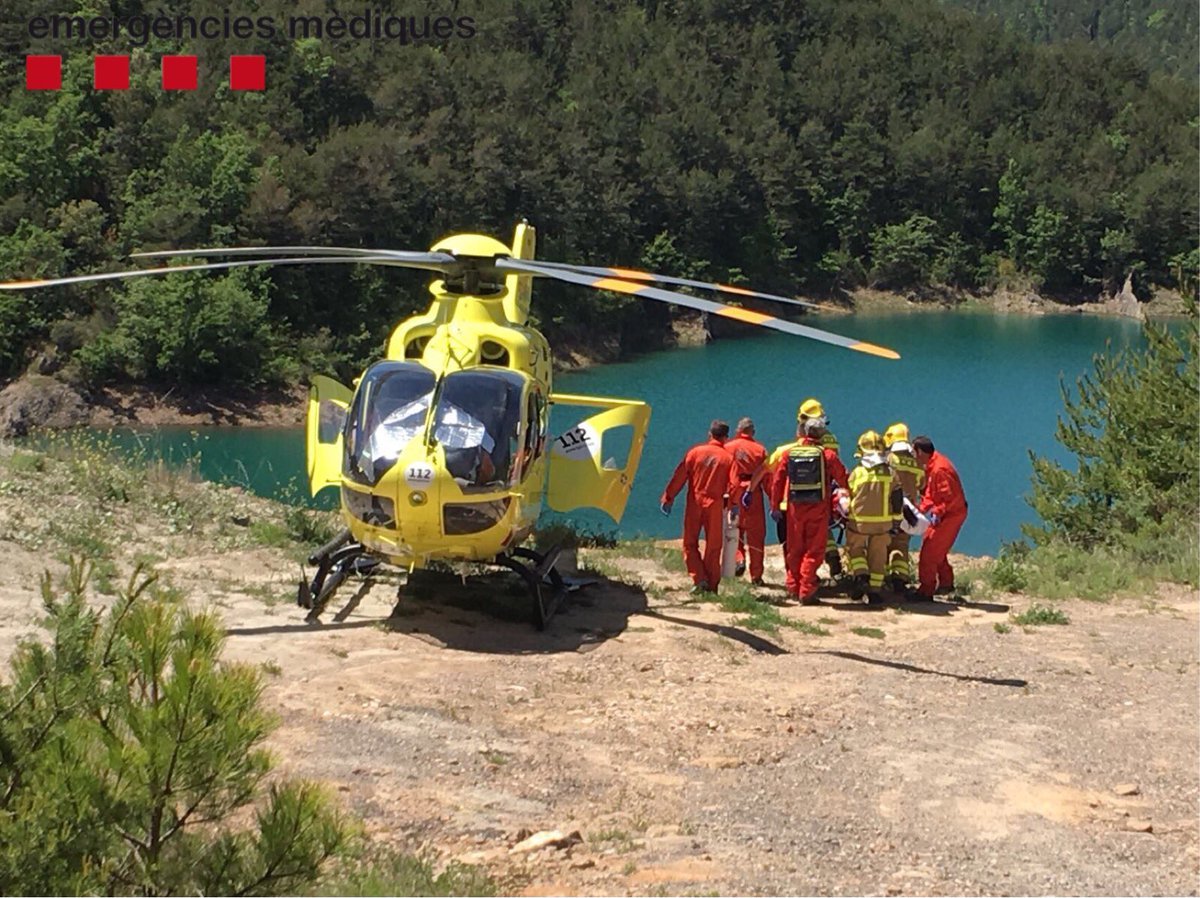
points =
(247, 72)
(111, 73)
(179, 73)
(43, 73)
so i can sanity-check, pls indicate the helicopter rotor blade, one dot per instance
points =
(735, 313)
(432, 261)
(631, 274)
(207, 266)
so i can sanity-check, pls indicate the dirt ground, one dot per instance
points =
(927, 753)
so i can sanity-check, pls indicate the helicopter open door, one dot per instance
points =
(583, 473)
(328, 403)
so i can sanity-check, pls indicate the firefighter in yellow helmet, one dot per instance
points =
(911, 476)
(809, 409)
(812, 408)
(874, 510)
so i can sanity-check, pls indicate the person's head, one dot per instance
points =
(814, 428)
(745, 427)
(897, 433)
(922, 449)
(869, 442)
(719, 430)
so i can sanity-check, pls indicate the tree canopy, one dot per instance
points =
(793, 145)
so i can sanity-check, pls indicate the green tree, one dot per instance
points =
(132, 760)
(1133, 429)
(903, 254)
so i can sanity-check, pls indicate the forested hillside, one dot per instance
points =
(796, 145)
(1162, 34)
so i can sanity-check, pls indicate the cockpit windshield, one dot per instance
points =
(389, 409)
(477, 422)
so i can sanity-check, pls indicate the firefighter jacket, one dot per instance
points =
(907, 471)
(875, 496)
(943, 493)
(708, 469)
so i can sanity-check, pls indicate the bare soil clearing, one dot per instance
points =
(927, 753)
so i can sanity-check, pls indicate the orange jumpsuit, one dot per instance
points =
(708, 471)
(748, 456)
(944, 497)
(807, 522)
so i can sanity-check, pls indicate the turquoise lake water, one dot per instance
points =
(984, 387)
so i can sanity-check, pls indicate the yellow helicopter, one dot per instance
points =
(441, 450)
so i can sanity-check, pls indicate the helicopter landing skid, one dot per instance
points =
(335, 561)
(545, 583)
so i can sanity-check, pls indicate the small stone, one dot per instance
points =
(583, 863)
(1127, 789)
(1139, 826)
(552, 838)
(645, 666)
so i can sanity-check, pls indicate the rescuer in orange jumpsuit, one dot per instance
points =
(707, 469)
(749, 456)
(945, 504)
(805, 479)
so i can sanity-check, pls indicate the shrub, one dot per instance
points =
(1134, 429)
(1038, 615)
(129, 749)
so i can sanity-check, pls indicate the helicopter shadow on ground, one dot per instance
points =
(491, 612)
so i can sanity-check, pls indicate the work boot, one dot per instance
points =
(699, 589)
(811, 599)
(944, 591)
(874, 598)
(739, 569)
(898, 585)
(757, 581)
(834, 560)
(858, 587)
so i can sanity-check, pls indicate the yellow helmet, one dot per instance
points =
(898, 432)
(810, 408)
(870, 441)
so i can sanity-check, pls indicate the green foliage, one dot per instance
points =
(1040, 615)
(391, 873)
(132, 760)
(186, 329)
(1133, 429)
(908, 143)
(869, 632)
(903, 254)
(1007, 573)
(1162, 36)
(570, 535)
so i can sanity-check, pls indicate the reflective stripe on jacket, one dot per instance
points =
(908, 473)
(871, 498)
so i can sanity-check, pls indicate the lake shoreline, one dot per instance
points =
(36, 401)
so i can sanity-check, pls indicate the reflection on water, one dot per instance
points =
(984, 387)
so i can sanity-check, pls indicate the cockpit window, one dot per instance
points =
(477, 424)
(389, 410)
